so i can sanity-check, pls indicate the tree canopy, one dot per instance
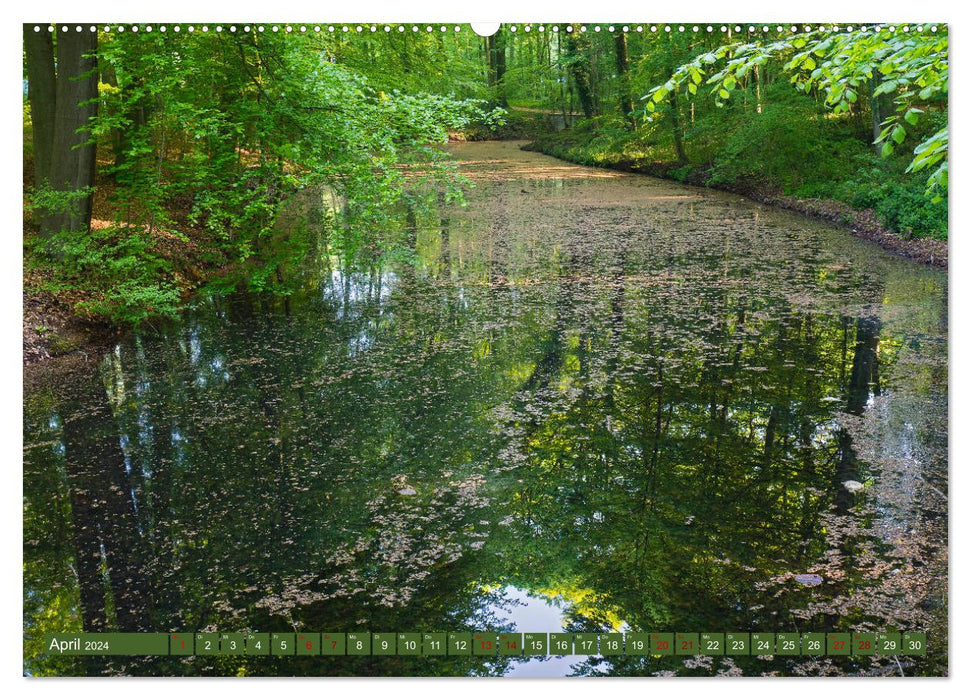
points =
(909, 67)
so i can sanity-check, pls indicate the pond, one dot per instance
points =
(594, 401)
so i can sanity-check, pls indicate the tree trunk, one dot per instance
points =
(499, 43)
(73, 156)
(623, 76)
(676, 128)
(576, 49)
(496, 58)
(878, 110)
(39, 51)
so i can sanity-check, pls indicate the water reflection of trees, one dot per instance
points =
(665, 451)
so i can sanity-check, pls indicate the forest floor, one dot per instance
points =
(861, 223)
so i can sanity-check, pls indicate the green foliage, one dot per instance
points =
(513, 125)
(903, 207)
(681, 174)
(929, 153)
(777, 144)
(54, 202)
(841, 66)
(604, 142)
(115, 272)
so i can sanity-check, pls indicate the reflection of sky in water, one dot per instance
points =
(348, 291)
(525, 612)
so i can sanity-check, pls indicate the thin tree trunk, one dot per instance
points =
(676, 128)
(878, 110)
(623, 75)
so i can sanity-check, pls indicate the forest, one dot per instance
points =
(159, 159)
(571, 328)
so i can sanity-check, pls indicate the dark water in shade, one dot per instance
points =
(598, 402)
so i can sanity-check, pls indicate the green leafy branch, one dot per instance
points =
(912, 67)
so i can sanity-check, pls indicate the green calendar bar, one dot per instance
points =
(914, 643)
(787, 644)
(737, 644)
(536, 644)
(383, 644)
(763, 643)
(459, 643)
(561, 643)
(308, 644)
(838, 644)
(359, 644)
(409, 644)
(181, 644)
(813, 644)
(510, 644)
(258, 644)
(888, 643)
(484, 643)
(108, 644)
(612, 644)
(333, 644)
(637, 643)
(662, 644)
(207, 644)
(434, 644)
(685, 644)
(712, 643)
(283, 644)
(230, 644)
(586, 644)
(489, 644)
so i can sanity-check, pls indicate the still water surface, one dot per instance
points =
(597, 402)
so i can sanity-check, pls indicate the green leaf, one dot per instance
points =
(898, 134)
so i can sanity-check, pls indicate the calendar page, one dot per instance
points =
(523, 349)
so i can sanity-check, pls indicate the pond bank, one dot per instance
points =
(861, 223)
(52, 330)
